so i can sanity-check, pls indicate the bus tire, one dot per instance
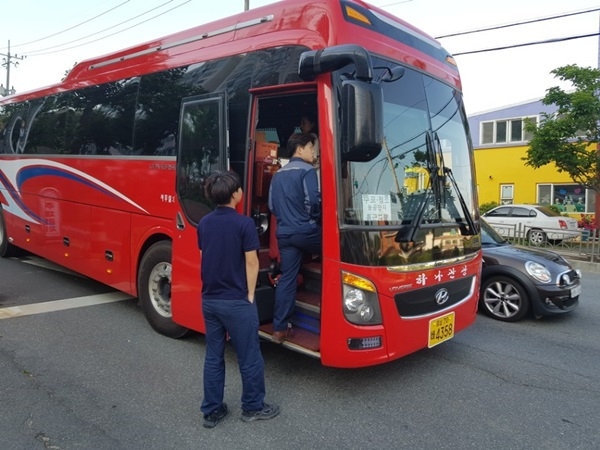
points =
(6, 248)
(154, 290)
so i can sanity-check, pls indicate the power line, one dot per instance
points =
(73, 27)
(548, 41)
(514, 24)
(394, 4)
(39, 51)
(117, 32)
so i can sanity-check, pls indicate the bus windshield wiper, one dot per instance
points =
(407, 232)
(438, 174)
(470, 229)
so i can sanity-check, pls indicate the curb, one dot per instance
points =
(585, 266)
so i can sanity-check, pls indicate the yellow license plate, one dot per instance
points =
(441, 329)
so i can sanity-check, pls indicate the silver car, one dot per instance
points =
(538, 224)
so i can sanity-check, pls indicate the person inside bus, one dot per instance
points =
(228, 244)
(308, 126)
(295, 201)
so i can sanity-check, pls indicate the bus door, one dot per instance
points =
(203, 147)
(276, 115)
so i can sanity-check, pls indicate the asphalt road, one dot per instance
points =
(98, 377)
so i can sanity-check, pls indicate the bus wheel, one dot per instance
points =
(154, 290)
(6, 249)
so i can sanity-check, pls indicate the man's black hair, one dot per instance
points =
(220, 187)
(298, 140)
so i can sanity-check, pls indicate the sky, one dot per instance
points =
(54, 35)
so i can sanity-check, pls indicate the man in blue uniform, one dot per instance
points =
(295, 201)
(228, 242)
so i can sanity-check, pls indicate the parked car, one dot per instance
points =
(516, 280)
(537, 223)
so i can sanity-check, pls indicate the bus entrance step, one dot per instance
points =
(299, 337)
(311, 274)
(308, 299)
(305, 320)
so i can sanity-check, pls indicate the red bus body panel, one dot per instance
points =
(92, 203)
(100, 205)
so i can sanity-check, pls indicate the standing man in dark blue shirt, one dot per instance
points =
(228, 242)
(295, 201)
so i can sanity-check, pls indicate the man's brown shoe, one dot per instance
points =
(279, 336)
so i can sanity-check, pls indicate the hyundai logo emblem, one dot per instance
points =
(442, 296)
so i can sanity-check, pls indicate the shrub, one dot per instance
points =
(485, 207)
(556, 209)
(587, 221)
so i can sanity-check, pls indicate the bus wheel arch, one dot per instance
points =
(154, 288)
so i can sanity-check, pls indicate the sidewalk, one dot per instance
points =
(579, 260)
(584, 266)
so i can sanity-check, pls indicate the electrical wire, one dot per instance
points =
(73, 27)
(514, 24)
(548, 41)
(43, 51)
(393, 4)
(117, 32)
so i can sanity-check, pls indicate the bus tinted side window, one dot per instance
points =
(157, 113)
(103, 118)
(200, 154)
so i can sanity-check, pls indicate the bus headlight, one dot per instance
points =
(355, 302)
(360, 301)
(354, 299)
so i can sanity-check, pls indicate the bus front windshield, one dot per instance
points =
(418, 192)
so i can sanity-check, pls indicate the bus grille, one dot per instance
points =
(422, 301)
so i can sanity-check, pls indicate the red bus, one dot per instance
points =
(103, 173)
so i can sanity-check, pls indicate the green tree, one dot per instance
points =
(570, 137)
(564, 137)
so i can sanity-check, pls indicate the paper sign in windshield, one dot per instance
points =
(376, 207)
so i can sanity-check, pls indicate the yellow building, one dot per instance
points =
(500, 142)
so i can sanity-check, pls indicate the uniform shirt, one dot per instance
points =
(294, 198)
(224, 236)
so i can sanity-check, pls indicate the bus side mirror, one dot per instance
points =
(362, 120)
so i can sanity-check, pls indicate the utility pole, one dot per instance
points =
(246, 5)
(7, 61)
(597, 194)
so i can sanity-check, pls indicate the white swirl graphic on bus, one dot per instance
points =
(16, 172)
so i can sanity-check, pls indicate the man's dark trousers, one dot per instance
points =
(291, 251)
(239, 318)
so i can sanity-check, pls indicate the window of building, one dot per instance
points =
(569, 198)
(487, 132)
(503, 131)
(507, 193)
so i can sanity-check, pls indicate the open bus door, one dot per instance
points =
(203, 147)
(276, 115)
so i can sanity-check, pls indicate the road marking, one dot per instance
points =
(45, 264)
(59, 305)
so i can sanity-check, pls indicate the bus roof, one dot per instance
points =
(314, 24)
